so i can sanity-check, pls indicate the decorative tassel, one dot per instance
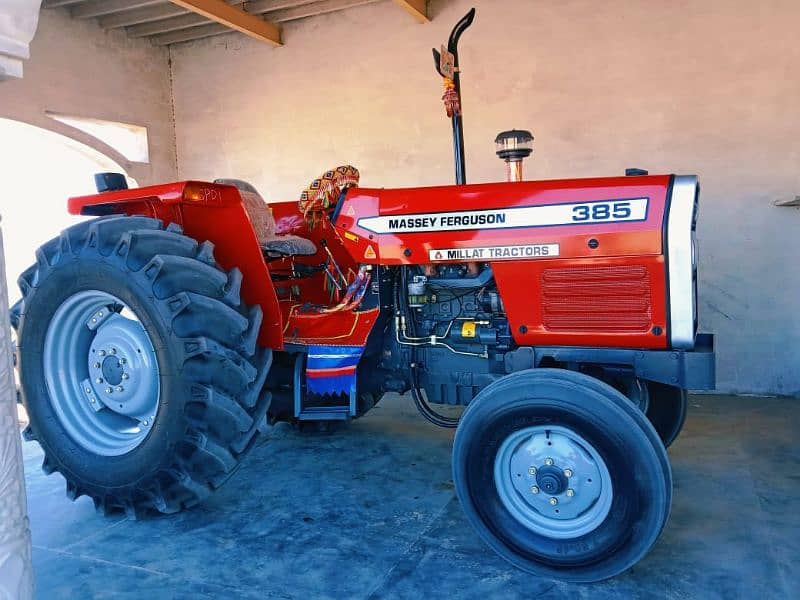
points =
(452, 104)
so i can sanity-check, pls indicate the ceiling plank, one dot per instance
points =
(98, 8)
(317, 8)
(260, 7)
(416, 8)
(184, 21)
(187, 35)
(141, 15)
(231, 17)
(59, 3)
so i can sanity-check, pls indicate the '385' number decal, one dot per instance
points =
(602, 211)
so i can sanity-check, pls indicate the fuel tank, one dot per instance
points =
(600, 262)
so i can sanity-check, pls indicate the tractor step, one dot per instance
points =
(336, 412)
(325, 413)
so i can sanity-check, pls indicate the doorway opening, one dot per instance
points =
(40, 169)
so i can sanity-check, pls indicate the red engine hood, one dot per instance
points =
(573, 218)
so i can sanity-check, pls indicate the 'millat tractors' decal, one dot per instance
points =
(573, 213)
(495, 252)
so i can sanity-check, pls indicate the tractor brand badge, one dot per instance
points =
(369, 252)
(494, 252)
(572, 213)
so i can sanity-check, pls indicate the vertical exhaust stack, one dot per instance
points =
(446, 63)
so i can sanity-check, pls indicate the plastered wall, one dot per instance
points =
(689, 86)
(76, 68)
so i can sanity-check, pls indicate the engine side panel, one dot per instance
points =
(613, 302)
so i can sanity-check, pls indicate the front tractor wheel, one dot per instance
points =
(561, 475)
(138, 364)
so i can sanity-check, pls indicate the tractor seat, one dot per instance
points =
(273, 245)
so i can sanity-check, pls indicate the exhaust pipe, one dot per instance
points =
(446, 63)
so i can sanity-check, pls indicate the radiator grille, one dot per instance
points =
(594, 299)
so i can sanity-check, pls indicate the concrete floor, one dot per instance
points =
(369, 512)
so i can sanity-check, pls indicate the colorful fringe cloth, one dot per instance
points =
(332, 369)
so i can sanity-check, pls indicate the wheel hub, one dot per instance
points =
(101, 373)
(112, 370)
(121, 367)
(553, 481)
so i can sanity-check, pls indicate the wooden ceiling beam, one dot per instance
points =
(416, 8)
(233, 18)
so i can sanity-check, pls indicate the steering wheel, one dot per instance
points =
(325, 191)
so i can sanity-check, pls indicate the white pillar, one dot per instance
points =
(16, 573)
(18, 21)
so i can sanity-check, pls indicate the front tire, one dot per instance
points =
(138, 364)
(561, 475)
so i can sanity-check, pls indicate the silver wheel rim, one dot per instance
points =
(101, 373)
(553, 481)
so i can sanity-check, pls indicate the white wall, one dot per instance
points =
(76, 68)
(691, 86)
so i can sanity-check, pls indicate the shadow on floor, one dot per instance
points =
(368, 511)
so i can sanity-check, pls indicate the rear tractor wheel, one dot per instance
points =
(556, 470)
(138, 364)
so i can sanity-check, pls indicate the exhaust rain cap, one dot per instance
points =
(514, 145)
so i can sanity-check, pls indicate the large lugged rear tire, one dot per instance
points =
(561, 475)
(138, 364)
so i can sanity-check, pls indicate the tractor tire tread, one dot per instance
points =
(214, 332)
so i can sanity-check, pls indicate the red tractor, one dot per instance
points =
(157, 340)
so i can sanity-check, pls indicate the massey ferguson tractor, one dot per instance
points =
(159, 339)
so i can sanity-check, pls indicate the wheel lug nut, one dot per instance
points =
(113, 351)
(567, 472)
(96, 365)
(534, 489)
(109, 390)
(94, 320)
(101, 352)
(125, 376)
(122, 361)
(570, 492)
(548, 461)
(144, 423)
(531, 470)
(88, 390)
(99, 380)
(553, 501)
(120, 388)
